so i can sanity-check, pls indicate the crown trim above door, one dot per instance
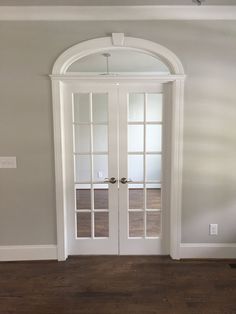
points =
(175, 85)
(97, 45)
(117, 13)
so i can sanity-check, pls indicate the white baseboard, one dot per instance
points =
(208, 250)
(28, 252)
(49, 252)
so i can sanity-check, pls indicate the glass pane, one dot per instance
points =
(153, 167)
(100, 102)
(121, 60)
(100, 164)
(82, 138)
(136, 198)
(83, 198)
(135, 167)
(100, 138)
(81, 108)
(153, 138)
(153, 224)
(153, 197)
(101, 197)
(83, 225)
(135, 138)
(136, 224)
(136, 107)
(154, 107)
(101, 224)
(82, 168)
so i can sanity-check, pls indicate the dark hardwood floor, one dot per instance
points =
(118, 285)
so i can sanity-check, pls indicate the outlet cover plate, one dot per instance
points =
(213, 229)
(7, 162)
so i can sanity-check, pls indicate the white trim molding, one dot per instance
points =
(208, 250)
(175, 79)
(97, 45)
(117, 13)
(28, 252)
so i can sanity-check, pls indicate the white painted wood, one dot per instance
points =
(117, 13)
(91, 169)
(28, 252)
(60, 77)
(90, 246)
(166, 162)
(208, 250)
(69, 76)
(143, 246)
(144, 161)
(59, 155)
(99, 44)
(176, 167)
(118, 39)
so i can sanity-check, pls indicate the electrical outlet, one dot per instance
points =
(213, 229)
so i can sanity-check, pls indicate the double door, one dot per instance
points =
(115, 139)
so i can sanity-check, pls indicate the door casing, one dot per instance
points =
(175, 83)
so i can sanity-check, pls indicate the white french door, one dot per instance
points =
(140, 168)
(91, 117)
(114, 168)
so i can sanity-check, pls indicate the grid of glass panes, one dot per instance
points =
(90, 128)
(144, 164)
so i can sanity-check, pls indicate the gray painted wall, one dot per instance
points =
(28, 51)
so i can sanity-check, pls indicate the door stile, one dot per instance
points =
(123, 170)
(113, 166)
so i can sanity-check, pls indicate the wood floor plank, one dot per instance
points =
(118, 285)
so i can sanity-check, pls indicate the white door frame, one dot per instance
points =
(176, 79)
